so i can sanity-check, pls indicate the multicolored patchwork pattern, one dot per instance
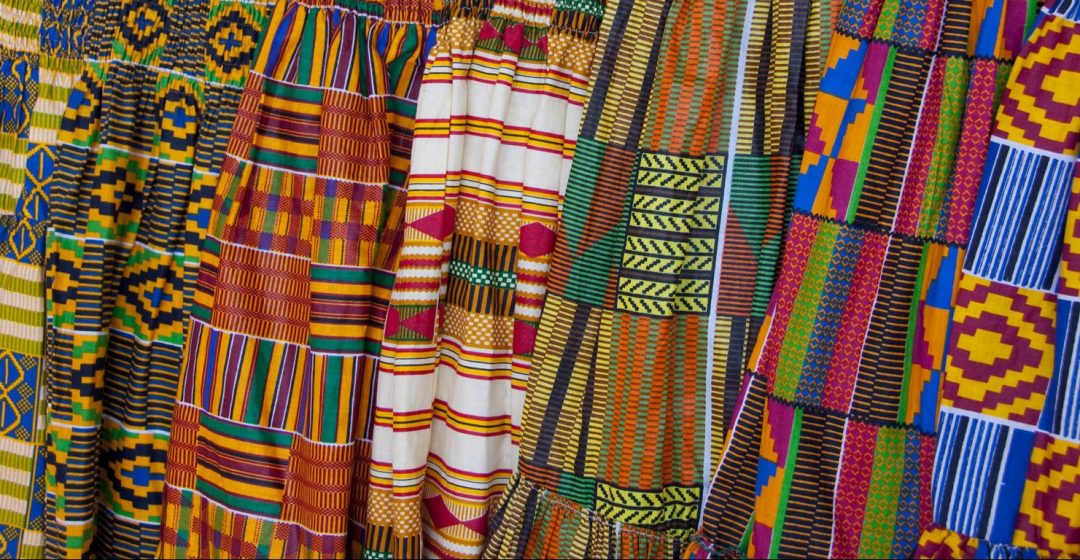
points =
(1007, 470)
(273, 424)
(832, 441)
(36, 79)
(497, 123)
(672, 223)
(141, 140)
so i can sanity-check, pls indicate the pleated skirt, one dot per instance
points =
(140, 145)
(668, 249)
(272, 426)
(41, 44)
(497, 125)
(834, 434)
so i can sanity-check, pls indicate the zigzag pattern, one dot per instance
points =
(662, 508)
(1045, 519)
(671, 235)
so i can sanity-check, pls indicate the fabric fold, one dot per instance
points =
(834, 434)
(497, 125)
(677, 197)
(272, 426)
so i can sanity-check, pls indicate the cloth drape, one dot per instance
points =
(497, 124)
(272, 428)
(834, 435)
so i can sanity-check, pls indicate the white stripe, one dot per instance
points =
(31, 303)
(997, 484)
(1035, 151)
(707, 474)
(19, 270)
(19, 330)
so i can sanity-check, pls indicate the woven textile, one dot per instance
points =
(1007, 469)
(671, 231)
(33, 90)
(832, 444)
(142, 136)
(271, 435)
(497, 123)
(20, 22)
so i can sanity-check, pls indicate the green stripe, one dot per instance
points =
(785, 493)
(294, 93)
(246, 433)
(22, 286)
(580, 490)
(302, 163)
(233, 501)
(879, 524)
(482, 276)
(345, 345)
(913, 313)
(23, 317)
(804, 314)
(331, 412)
(264, 351)
(30, 347)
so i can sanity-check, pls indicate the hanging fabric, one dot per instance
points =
(142, 140)
(671, 232)
(498, 118)
(1007, 468)
(271, 435)
(41, 45)
(833, 439)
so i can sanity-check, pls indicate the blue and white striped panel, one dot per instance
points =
(1061, 413)
(979, 474)
(1016, 238)
(1068, 9)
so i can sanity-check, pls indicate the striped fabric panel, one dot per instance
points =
(140, 140)
(1017, 236)
(497, 121)
(1007, 470)
(40, 61)
(676, 203)
(277, 391)
(854, 334)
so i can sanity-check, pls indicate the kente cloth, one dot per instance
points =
(272, 429)
(1007, 469)
(497, 123)
(832, 443)
(41, 44)
(668, 249)
(141, 140)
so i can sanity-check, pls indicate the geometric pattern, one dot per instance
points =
(41, 55)
(1007, 470)
(140, 137)
(1039, 109)
(667, 252)
(1002, 350)
(485, 188)
(289, 290)
(671, 235)
(852, 341)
